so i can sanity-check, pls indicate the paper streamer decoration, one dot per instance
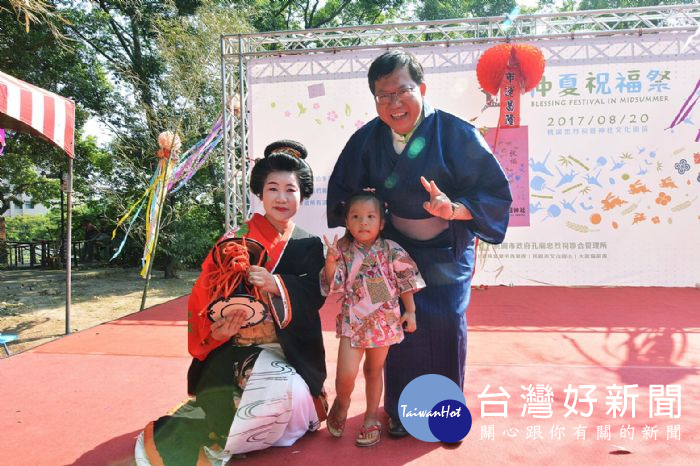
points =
(173, 170)
(685, 110)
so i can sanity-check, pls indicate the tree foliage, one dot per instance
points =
(144, 66)
(606, 4)
(449, 9)
(31, 165)
(33, 12)
(31, 227)
(276, 15)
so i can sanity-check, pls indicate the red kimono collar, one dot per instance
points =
(261, 230)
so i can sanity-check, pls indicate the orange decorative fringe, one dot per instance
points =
(232, 260)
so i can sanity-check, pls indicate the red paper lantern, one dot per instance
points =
(493, 63)
(510, 69)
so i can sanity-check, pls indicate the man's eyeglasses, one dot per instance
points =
(401, 94)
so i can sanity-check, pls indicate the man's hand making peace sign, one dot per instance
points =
(441, 206)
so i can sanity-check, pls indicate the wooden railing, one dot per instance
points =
(45, 254)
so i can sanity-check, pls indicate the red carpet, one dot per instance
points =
(84, 398)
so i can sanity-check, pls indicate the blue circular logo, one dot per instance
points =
(454, 422)
(432, 408)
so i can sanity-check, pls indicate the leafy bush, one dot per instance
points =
(191, 235)
(33, 227)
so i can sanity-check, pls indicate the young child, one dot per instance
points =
(371, 273)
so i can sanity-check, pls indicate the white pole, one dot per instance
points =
(69, 239)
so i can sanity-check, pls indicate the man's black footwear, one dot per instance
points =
(396, 429)
(452, 445)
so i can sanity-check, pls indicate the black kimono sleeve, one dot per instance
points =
(301, 338)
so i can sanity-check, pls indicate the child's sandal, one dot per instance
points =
(334, 423)
(369, 436)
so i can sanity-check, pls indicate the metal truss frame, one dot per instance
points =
(238, 50)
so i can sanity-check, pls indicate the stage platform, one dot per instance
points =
(83, 399)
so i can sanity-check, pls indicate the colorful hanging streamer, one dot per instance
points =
(682, 115)
(155, 201)
(195, 157)
(171, 171)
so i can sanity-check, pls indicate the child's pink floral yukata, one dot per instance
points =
(371, 281)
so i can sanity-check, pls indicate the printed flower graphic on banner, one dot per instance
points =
(588, 192)
(339, 113)
(682, 166)
(696, 156)
(663, 198)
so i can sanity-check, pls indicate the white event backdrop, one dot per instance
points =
(613, 188)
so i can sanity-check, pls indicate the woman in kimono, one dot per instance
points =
(253, 330)
(444, 188)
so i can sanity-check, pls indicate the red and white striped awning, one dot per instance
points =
(30, 109)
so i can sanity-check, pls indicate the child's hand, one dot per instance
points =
(333, 252)
(408, 321)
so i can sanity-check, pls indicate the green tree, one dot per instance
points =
(276, 15)
(42, 58)
(32, 12)
(449, 9)
(32, 227)
(164, 58)
(194, 215)
(610, 4)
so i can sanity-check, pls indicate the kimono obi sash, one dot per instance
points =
(421, 229)
(256, 335)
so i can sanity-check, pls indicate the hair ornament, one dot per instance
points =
(287, 150)
(287, 146)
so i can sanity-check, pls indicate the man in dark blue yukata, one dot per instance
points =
(444, 188)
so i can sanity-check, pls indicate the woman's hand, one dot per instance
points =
(225, 328)
(261, 279)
